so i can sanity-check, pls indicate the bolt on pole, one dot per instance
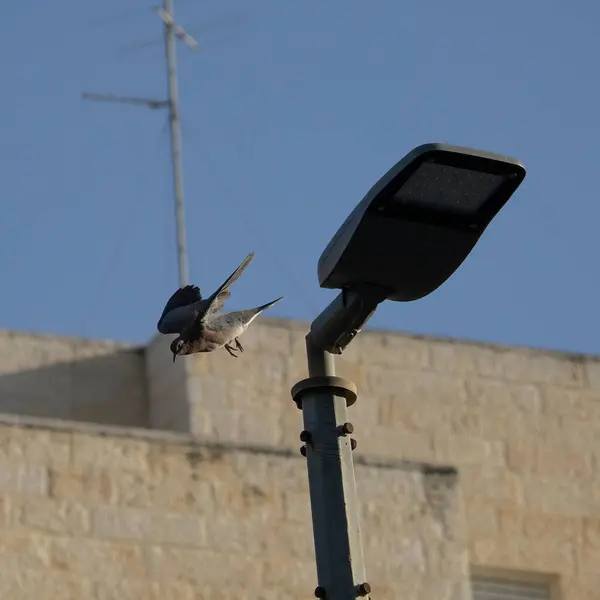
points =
(323, 399)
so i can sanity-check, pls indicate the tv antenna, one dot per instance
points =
(172, 31)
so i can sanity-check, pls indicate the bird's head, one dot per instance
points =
(177, 347)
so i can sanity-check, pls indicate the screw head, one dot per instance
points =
(320, 592)
(353, 443)
(348, 428)
(303, 450)
(364, 589)
(305, 436)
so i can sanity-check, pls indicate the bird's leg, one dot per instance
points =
(230, 350)
(237, 343)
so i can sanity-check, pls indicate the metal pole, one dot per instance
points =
(175, 130)
(324, 398)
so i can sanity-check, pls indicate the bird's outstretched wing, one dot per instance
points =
(215, 301)
(182, 297)
(218, 302)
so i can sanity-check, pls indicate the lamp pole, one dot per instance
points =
(324, 400)
(431, 208)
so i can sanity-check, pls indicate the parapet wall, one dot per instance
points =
(133, 515)
(70, 378)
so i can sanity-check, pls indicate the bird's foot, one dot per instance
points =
(230, 350)
(239, 346)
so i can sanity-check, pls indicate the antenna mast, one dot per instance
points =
(170, 50)
(172, 30)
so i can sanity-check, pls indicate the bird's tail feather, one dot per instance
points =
(247, 316)
(259, 309)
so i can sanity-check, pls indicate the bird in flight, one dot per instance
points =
(186, 304)
(212, 331)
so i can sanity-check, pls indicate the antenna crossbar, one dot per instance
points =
(149, 102)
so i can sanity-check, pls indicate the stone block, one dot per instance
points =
(588, 552)
(461, 359)
(261, 372)
(543, 367)
(482, 522)
(364, 413)
(561, 458)
(397, 443)
(425, 414)
(299, 577)
(421, 387)
(467, 450)
(210, 392)
(23, 478)
(575, 404)
(270, 337)
(498, 487)
(498, 552)
(555, 557)
(260, 429)
(97, 560)
(577, 587)
(507, 363)
(521, 453)
(49, 516)
(404, 487)
(393, 350)
(294, 541)
(110, 452)
(51, 448)
(559, 495)
(49, 585)
(592, 372)
(550, 529)
(270, 471)
(297, 507)
(153, 526)
(183, 494)
(89, 485)
(502, 396)
(510, 521)
(591, 531)
(355, 372)
(24, 551)
(203, 568)
(129, 590)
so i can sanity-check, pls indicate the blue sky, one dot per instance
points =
(290, 112)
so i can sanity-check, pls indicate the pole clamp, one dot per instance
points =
(335, 385)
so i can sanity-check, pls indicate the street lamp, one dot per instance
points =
(408, 235)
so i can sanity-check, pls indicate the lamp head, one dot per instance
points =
(420, 221)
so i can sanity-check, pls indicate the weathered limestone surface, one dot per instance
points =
(132, 515)
(522, 427)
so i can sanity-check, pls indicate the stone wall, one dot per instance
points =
(70, 378)
(132, 515)
(522, 426)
